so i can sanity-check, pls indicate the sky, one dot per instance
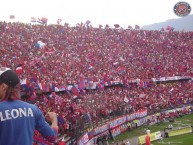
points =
(122, 12)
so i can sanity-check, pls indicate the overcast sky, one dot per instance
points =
(123, 12)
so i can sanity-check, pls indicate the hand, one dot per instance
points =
(52, 116)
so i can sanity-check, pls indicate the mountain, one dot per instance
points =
(185, 23)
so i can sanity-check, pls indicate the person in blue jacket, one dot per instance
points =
(19, 119)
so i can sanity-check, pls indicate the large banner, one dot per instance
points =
(131, 117)
(153, 136)
(101, 129)
(142, 121)
(121, 120)
(118, 130)
(118, 121)
(173, 78)
(141, 113)
(83, 140)
(180, 131)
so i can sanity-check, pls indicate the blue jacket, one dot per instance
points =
(18, 120)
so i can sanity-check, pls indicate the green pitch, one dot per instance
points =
(185, 139)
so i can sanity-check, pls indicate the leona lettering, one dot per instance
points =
(16, 113)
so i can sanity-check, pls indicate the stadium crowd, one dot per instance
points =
(56, 56)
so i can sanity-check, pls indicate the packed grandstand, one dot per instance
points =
(85, 74)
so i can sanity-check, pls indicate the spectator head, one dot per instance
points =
(148, 131)
(9, 84)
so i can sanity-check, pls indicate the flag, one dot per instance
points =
(42, 20)
(53, 87)
(66, 24)
(106, 26)
(100, 26)
(41, 86)
(115, 63)
(34, 84)
(142, 84)
(90, 84)
(106, 80)
(33, 96)
(169, 28)
(121, 69)
(46, 88)
(130, 27)
(62, 142)
(60, 120)
(142, 95)
(79, 24)
(33, 19)
(23, 82)
(19, 69)
(41, 141)
(56, 89)
(40, 44)
(75, 91)
(172, 89)
(24, 86)
(87, 22)
(126, 99)
(137, 27)
(162, 29)
(116, 25)
(12, 17)
(61, 88)
(33, 79)
(58, 100)
(45, 98)
(81, 84)
(100, 85)
(59, 21)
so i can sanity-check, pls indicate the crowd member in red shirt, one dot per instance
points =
(147, 138)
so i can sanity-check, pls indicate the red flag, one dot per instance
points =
(45, 98)
(87, 22)
(66, 24)
(130, 27)
(75, 91)
(116, 25)
(126, 99)
(33, 19)
(59, 21)
(12, 17)
(19, 69)
(168, 28)
(81, 84)
(121, 69)
(106, 26)
(162, 29)
(62, 142)
(100, 26)
(137, 27)
(42, 20)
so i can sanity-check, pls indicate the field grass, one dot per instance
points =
(179, 122)
(185, 139)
